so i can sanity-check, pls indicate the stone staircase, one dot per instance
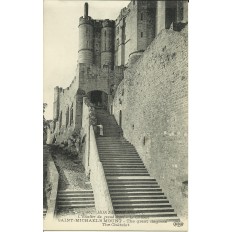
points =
(78, 199)
(133, 192)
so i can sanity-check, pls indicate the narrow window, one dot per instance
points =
(105, 33)
(141, 16)
(71, 115)
(141, 34)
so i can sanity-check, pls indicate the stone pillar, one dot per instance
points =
(160, 16)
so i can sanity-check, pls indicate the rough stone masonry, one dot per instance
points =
(136, 67)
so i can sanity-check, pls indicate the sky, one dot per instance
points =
(61, 18)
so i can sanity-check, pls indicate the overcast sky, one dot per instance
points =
(61, 40)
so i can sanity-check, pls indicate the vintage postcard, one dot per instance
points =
(115, 115)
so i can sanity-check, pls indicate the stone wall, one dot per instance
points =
(153, 101)
(68, 102)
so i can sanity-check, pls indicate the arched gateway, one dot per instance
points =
(98, 98)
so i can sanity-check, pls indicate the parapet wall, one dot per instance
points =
(92, 77)
(153, 102)
(68, 102)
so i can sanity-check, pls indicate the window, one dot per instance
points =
(141, 16)
(60, 120)
(71, 115)
(117, 43)
(141, 34)
(67, 117)
(105, 33)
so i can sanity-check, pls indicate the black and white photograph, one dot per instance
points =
(115, 115)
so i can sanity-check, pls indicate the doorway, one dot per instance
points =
(98, 98)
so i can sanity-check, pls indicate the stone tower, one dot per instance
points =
(86, 37)
(107, 43)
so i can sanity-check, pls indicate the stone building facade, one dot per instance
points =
(136, 68)
(106, 49)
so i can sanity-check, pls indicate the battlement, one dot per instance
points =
(97, 23)
(108, 23)
(88, 20)
(123, 13)
(94, 71)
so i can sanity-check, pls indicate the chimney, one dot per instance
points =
(86, 10)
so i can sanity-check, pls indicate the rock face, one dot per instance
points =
(151, 106)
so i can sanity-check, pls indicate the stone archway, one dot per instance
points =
(98, 98)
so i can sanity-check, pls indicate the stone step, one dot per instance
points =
(138, 202)
(59, 202)
(138, 193)
(116, 148)
(125, 171)
(119, 159)
(126, 174)
(76, 198)
(118, 156)
(123, 166)
(123, 198)
(134, 190)
(133, 186)
(74, 194)
(111, 143)
(121, 179)
(111, 139)
(118, 153)
(76, 191)
(76, 206)
(126, 145)
(123, 162)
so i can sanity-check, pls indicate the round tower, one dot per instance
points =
(107, 43)
(85, 53)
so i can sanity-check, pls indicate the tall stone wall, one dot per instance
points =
(68, 102)
(153, 101)
(145, 23)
